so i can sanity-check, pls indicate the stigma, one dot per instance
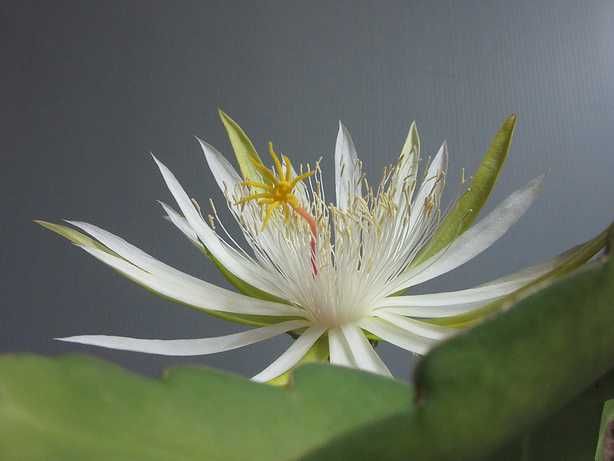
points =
(276, 192)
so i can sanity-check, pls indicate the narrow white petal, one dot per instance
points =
(181, 223)
(423, 329)
(236, 263)
(347, 169)
(487, 292)
(292, 355)
(397, 336)
(433, 312)
(200, 295)
(340, 353)
(408, 165)
(184, 347)
(130, 252)
(431, 187)
(225, 175)
(475, 240)
(364, 355)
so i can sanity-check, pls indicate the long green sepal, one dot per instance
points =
(574, 259)
(243, 147)
(466, 209)
(81, 239)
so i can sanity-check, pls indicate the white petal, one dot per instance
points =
(424, 329)
(340, 353)
(200, 295)
(347, 169)
(475, 240)
(182, 224)
(431, 187)
(397, 336)
(364, 355)
(408, 165)
(225, 175)
(184, 347)
(487, 292)
(236, 263)
(292, 355)
(135, 255)
(433, 312)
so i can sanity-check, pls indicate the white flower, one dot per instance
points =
(325, 270)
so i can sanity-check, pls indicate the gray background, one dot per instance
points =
(89, 88)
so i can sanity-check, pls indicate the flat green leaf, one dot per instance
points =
(468, 206)
(483, 389)
(607, 416)
(77, 408)
(570, 434)
(242, 146)
(81, 239)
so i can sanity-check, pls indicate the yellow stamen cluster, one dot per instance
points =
(278, 191)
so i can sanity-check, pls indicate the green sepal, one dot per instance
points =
(243, 148)
(74, 236)
(574, 259)
(466, 209)
(83, 240)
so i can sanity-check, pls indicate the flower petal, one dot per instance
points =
(407, 167)
(431, 188)
(416, 327)
(347, 169)
(487, 292)
(194, 292)
(364, 355)
(292, 355)
(397, 336)
(185, 347)
(236, 263)
(133, 254)
(475, 240)
(340, 352)
(225, 175)
(182, 224)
